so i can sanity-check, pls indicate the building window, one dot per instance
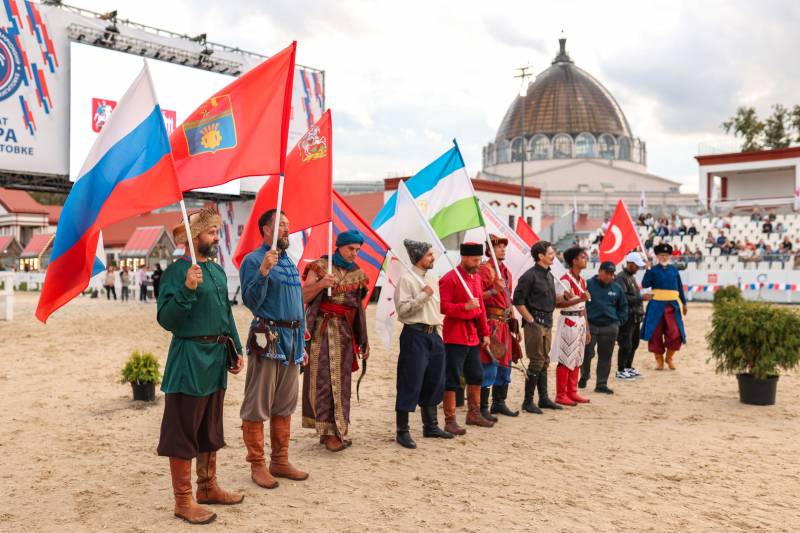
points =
(596, 211)
(494, 203)
(606, 146)
(585, 145)
(503, 152)
(540, 147)
(512, 221)
(529, 220)
(624, 149)
(562, 146)
(637, 151)
(556, 210)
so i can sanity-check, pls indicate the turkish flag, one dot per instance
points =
(526, 232)
(307, 188)
(621, 236)
(241, 130)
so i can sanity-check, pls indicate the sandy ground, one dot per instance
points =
(674, 451)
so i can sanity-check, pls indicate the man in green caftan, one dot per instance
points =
(193, 305)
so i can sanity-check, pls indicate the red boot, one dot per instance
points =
(562, 383)
(572, 388)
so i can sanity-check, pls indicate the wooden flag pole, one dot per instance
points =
(411, 271)
(187, 227)
(277, 221)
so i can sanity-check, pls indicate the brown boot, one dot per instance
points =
(449, 406)
(185, 506)
(208, 491)
(474, 417)
(670, 362)
(332, 443)
(659, 361)
(279, 465)
(253, 435)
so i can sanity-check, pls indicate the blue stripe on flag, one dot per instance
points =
(131, 156)
(339, 213)
(423, 181)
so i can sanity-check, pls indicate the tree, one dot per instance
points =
(795, 120)
(745, 124)
(777, 133)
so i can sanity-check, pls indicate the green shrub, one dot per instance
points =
(141, 368)
(23, 286)
(754, 338)
(728, 293)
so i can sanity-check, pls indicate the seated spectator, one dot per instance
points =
(761, 245)
(662, 231)
(746, 255)
(692, 231)
(786, 245)
(779, 228)
(772, 217)
(682, 229)
(797, 259)
(698, 254)
(766, 227)
(673, 231)
(710, 240)
(756, 216)
(722, 240)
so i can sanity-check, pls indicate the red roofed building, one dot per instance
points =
(10, 251)
(148, 245)
(21, 216)
(36, 255)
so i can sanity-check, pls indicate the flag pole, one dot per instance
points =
(277, 221)
(189, 243)
(330, 251)
(411, 271)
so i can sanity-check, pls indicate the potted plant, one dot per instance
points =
(729, 293)
(141, 371)
(754, 341)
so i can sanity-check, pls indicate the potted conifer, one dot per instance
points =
(754, 341)
(142, 372)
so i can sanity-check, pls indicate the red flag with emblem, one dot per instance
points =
(307, 188)
(241, 130)
(621, 236)
(526, 232)
(373, 251)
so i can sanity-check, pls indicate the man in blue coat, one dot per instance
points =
(606, 310)
(663, 321)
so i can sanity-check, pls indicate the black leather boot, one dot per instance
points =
(499, 394)
(430, 424)
(530, 386)
(544, 401)
(403, 435)
(485, 405)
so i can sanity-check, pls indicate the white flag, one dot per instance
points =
(385, 312)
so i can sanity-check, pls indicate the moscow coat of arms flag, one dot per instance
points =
(307, 187)
(241, 130)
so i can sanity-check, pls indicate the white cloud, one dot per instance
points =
(444, 70)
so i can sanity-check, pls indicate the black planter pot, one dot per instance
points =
(460, 397)
(145, 392)
(754, 391)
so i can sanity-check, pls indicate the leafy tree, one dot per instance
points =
(795, 121)
(745, 124)
(776, 132)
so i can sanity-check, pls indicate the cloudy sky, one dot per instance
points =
(404, 78)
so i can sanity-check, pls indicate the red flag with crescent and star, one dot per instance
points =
(307, 188)
(621, 236)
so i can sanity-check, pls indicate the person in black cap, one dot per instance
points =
(606, 310)
(535, 299)
(663, 320)
(420, 366)
(465, 332)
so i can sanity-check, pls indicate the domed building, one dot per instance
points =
(572, 140)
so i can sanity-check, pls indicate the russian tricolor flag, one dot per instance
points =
(129, 171)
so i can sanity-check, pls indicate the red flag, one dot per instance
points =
(526, 232)
(307, 188)
(241, 130)
(373, 251)
(621, 236)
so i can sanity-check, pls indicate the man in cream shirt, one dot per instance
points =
(421, 364)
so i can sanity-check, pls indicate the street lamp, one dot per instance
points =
(523, 74)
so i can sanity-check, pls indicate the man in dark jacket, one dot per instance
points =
(606, 310)
(628, 338)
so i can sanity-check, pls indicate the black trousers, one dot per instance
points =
(466, 359)
(628, 341)
(191, 425)
(111, 290)
(603, 337)
(420, 370)
(143, 292)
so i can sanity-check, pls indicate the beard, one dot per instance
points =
(472, 270)
(208, 250)
(283, 243)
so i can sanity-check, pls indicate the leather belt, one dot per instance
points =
(217, 339)
(498, 313)
(426, 328)
(571, 313)
(291, 324)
